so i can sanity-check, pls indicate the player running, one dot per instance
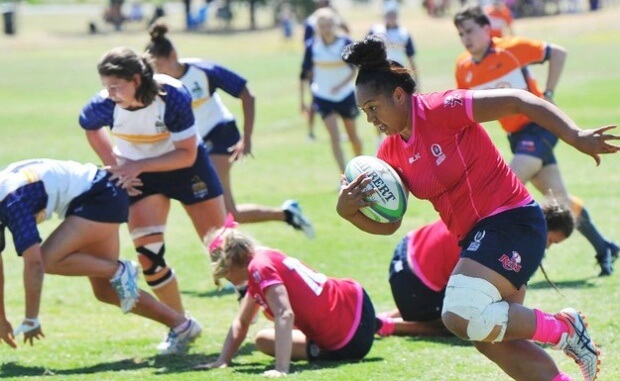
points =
(330, 81)
(491, 63)
(217, 126)
(157, 156)
(435, 142)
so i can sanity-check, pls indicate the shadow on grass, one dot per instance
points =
(298, 366)
(452, 341)
(163, 365)
(209, 294)
(578, 284)
(171, 364)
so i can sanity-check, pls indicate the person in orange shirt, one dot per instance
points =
(500, 17)
(491, 63)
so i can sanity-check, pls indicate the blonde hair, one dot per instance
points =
(326, 14)
(236, 250)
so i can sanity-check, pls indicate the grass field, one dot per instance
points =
(48, 73)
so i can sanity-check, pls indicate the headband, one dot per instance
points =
(217, 242)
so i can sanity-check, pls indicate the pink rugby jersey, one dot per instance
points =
(327, 310)
(451, 161)
(432, 252)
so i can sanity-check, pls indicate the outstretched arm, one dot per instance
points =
(491, 105)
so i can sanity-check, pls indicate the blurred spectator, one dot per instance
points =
(136, 13)
(114, 14)
(286, 18)
(501, 18)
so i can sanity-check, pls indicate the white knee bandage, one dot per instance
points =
(479, 302)
(145, 231)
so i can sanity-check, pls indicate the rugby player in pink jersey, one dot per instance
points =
(436, 143)
(315, 317)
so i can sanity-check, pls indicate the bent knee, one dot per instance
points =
(473, 309)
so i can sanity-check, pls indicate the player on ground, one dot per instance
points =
(503, 63)
(331, 83)
(315, 317)
(444, 155)
(86, 243)
(421, 266)
(157, 144)
(218, 127)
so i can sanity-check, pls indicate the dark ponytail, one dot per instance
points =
(370, 55)
(160, 45)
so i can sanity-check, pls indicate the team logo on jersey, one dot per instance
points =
(438, 153)
(197, 91)
(513, 263)
(414, 158)
(475, 244)
(256, 276)
(453, 100)
(199, 187)
(160, 126)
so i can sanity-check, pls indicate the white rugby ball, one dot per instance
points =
(390, 199)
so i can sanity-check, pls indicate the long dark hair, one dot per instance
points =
(375, 70)
(124, 63)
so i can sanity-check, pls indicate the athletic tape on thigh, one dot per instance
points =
(146, 231)
(480, 303)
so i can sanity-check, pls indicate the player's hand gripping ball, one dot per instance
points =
(390, 199)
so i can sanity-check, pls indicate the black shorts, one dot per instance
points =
(533, 140)
(358, 346)
(191, 185)
(414, 300)
(346, 108)
(221, 138)
(103, 202)
(511, 243)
